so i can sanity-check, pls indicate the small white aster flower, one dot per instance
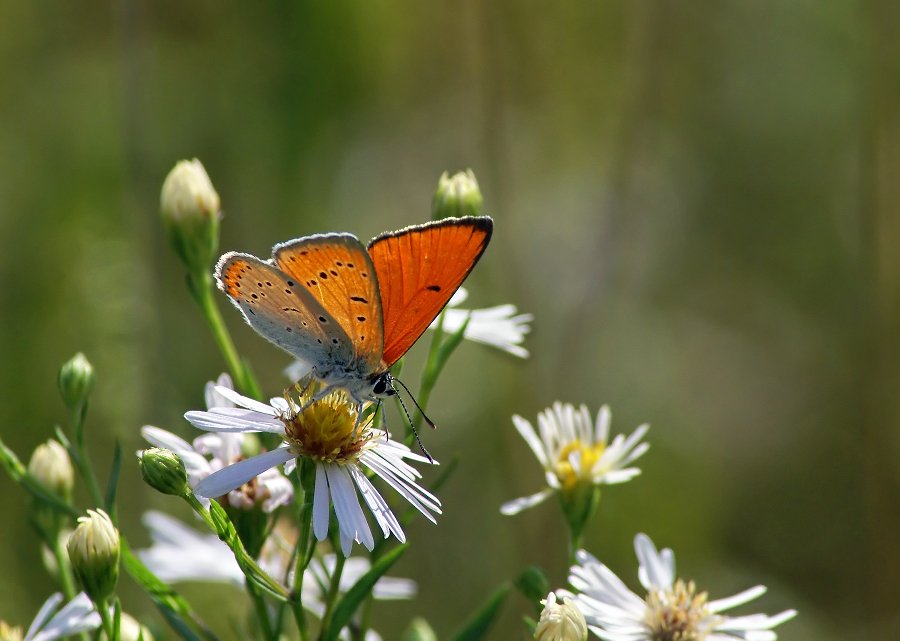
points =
(330, 434)
(672, 610)
(270, 488)
(53, 622)
(574, 452)
(497, 326)
(560, 620)
(181, 553)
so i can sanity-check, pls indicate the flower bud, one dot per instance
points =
(560, 621)
(94, 554)
(190, 211)
(76, 379)
(457, 196)
(419, 630)
(51, 467)
(164, 471)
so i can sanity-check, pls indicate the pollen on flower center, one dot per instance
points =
(569, 475)
(676, 614)
(327, 430)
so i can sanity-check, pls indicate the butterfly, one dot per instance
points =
(348, 310)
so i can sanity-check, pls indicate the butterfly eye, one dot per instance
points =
(382, 387)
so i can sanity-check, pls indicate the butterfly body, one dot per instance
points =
(350, 311)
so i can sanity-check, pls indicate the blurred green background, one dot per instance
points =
(697, 200)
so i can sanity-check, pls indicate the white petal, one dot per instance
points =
(224, 420)
(244, 401)
(76, 616)
(213, 398)
(321, 504)
(531, 437)
(656, 569)
(163, 438)
(601, 433)
(234, 476)
(43, 614)
(351, 518)
(378, 506)
(518, 505)
(738, 599)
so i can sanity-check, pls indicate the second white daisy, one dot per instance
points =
(575, 452)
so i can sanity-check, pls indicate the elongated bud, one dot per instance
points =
(51, 467)
(94, 554)
(560, 621)
(164, 471)
(76, 380)
(457, 196)
(190, 210)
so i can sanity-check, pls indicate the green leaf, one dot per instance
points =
(173, 607)
(533, 584)
(345, 608)
(113, 484)
(478, 624)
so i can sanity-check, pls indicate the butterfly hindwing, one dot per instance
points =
(337, 271)
(419, 268)
(281, 310)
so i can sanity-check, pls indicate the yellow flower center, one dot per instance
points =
(568, 476)
(676, 614)
(327, 430)
(9, 633)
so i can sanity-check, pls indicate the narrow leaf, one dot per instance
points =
(345, 608)
(113, 485)
(478, 624)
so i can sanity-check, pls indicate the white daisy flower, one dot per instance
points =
(181, 553)
(672, 608)
(270, 488)
(575, 452)
(497, 326)
(53, 622)
(330, 434)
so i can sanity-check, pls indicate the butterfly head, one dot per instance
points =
(382, 385)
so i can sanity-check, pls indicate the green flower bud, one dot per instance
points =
(560, 621)
(164, 471)
(51, 467)
(76, 380)
(94, 554)
(457, 196)
(190, 211)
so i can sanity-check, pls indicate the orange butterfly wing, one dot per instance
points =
(419, 268)
(338, 272)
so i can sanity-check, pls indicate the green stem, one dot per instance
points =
(201, 286)
(262, 613)
(305, 546)
(333, 590)
(82, 462)
(108, 627)
(67, 582)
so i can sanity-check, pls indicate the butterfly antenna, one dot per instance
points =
(418, 407)
(411, 426)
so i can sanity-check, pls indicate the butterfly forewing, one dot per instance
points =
(419, 268)
(338, 272)
(281, 310)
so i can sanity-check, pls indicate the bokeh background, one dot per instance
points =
(697, 200)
